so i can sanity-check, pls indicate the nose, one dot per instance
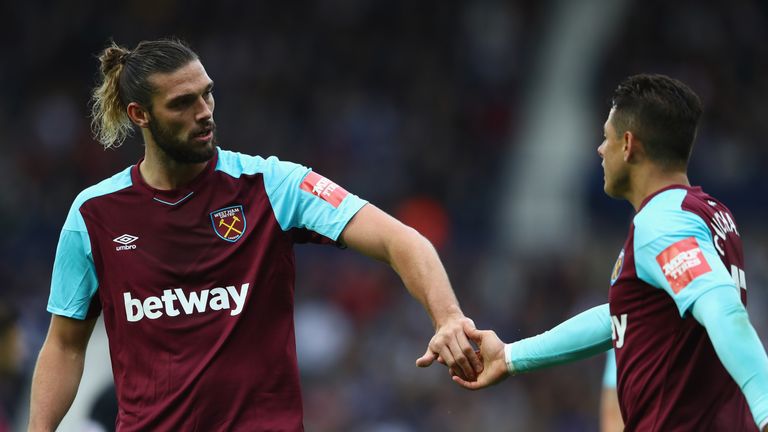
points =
(204, 110)
(601, 150)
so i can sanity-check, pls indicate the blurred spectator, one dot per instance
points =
(103, 413)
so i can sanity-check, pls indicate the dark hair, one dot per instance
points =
(124, 79)
(661, 112)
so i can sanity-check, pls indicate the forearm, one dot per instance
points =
(54, 385)
(584, 335)
(417, 263)
(737, 345)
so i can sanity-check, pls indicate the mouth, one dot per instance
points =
(204, 134)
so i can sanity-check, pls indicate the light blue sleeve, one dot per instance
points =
(74, 281)
(582, 336)
(674, 246)
(609, 374)
(290, 187)
(737, 345)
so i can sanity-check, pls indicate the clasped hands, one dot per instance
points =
(469, 368)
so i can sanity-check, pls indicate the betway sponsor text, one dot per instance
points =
(215, 299)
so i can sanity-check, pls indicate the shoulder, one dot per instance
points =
(237, 164)
(107, 186)
(116, 183)
(665, 215)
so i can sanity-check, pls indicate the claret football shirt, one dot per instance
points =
(196, 289)
(681, 244)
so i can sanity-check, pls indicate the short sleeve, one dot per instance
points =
(301, 198)
(674, 251)
(74, 282)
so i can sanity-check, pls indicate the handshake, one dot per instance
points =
(469, 368)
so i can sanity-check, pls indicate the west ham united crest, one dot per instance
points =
(229, 223)
(617, 267)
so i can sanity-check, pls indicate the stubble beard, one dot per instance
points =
(181, 151)
(618, 188)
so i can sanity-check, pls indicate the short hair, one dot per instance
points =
(124, 77)
(662, 112)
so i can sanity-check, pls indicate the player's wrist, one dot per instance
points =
(451, 315)
(508, 359)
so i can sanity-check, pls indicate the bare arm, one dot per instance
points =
(58, 371)
(380, 236)
(610, 413)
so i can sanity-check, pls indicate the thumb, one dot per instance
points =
(474, 334)
(426, 359)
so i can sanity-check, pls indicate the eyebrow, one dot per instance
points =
(188, 96)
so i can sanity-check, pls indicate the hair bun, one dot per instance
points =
(112, 57)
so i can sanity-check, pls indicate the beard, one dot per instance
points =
(182, 151)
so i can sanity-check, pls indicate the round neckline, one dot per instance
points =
(173, 196)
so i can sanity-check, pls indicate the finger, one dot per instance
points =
(450, 361)
(469, 353)
(474, 334)
(427, 359)
(441, 361)
(460, 359)
(469, 385)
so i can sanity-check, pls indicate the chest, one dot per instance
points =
(214, 232)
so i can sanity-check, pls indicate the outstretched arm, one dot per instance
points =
(737, 345)
(380, 236)
(584, 335)
(58, 371)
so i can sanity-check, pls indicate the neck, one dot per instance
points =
(651, 179)
(163, 173)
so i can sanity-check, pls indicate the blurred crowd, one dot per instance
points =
(410, 105)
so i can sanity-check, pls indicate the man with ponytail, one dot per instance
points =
(188, 254)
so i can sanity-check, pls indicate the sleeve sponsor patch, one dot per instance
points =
(320, 186)
(683, 262)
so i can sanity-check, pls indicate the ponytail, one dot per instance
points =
(109, 120)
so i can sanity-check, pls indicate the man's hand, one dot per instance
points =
(492, 355)
(451, 347)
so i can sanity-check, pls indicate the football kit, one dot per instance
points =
(196, 288)
(687, 358)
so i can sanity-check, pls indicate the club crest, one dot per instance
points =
(617, 267)
(229, 223)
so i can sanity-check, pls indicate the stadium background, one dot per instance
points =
(476, 122)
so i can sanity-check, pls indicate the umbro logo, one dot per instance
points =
(125, 240)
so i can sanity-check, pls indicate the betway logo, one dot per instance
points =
(618, 329)
(193, 302)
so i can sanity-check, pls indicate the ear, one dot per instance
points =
(138, 115)
(631, 146)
